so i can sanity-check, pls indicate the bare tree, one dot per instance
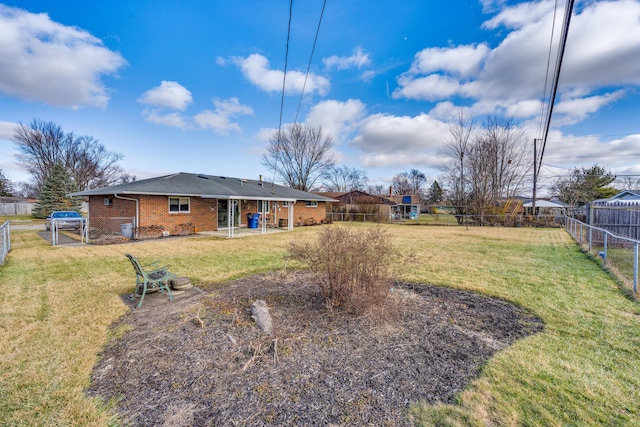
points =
(498, 163)
(627, 183)
(456, 147)
(43, 144)
(411, 182)
(378, 190)
(488, 164)
(299, 155)
(26, 190)
(344, 179)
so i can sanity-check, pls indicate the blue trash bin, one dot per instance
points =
(253, 220)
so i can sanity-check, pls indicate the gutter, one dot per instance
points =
(135, 229)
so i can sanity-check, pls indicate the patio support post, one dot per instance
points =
(290, 218)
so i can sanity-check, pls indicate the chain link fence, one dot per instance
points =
(63, 234)
(444, 218)
(618, 253)
(109, 230)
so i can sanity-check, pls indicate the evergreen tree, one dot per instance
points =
(584, 185)
(6, 187)
(435, 194)
(55, 193)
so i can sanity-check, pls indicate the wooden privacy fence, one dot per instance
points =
(621, 218)
(15, 208)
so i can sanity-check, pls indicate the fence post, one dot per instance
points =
(581, 233)
(54, 232)
(635, 268)
(605, 248)
(589, 239)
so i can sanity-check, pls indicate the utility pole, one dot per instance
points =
(535, 175)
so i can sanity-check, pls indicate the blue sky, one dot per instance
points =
(196, 86)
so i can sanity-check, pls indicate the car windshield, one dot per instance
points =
(65, 215)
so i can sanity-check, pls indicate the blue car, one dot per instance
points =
(70, 220)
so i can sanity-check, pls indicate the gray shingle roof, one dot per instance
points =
(207, 186)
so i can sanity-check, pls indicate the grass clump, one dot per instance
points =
(354, 267)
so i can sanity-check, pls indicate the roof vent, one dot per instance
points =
(222, 177)
(203, 176)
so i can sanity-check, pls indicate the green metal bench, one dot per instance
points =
(154, 279)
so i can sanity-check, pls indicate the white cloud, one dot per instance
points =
(7, 129)
(462, 60)
(600, 61)
(576, 110)
(520, 15)
(524, 109)
(402, 160)
(264, 134)
(386, 140)
(168, 119)
(256, 69)
(169, 94)
(358, 60)
(368, 75)
(569, 150)
(219, 120)
(429, 88)
(604, 45)
(336, 117)
(42, 60)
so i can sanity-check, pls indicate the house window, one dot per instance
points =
(263, 206)
(312, 204)
(285, 203)
(178, 204)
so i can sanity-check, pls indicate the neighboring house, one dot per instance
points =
(406, 206)
(629, 197)
(183, 203)
(358, 205)
(544, 207)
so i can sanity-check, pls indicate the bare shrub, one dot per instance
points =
(354, 267)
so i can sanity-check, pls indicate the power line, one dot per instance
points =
(556, 76)
(537, 164)
(546, 74)
(315, 40)
(284, 84)
(286, 59)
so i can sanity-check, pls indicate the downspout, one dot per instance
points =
(137, 224)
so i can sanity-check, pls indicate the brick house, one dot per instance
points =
(184, 203)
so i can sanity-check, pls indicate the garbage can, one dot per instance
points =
(253, 220)
(127, 230)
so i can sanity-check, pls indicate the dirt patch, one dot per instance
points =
(202, 361)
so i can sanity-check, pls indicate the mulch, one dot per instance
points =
(201, 360)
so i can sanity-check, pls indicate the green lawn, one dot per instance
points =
(57, 304)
